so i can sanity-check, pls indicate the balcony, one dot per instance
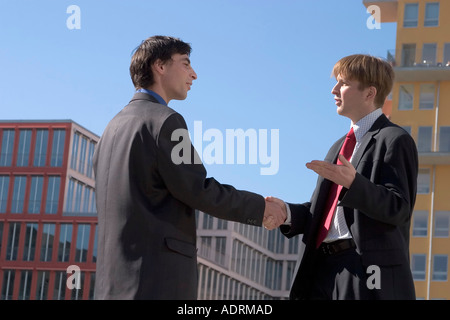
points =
(434, 158)
(427, 70)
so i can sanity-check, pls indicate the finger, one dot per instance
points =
(344, 161)
(275, 200)
(325, 169)
(318, 165)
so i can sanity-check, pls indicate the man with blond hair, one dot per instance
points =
(355, 228)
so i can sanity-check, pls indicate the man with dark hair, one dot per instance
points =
(356, 226)
(146, 200)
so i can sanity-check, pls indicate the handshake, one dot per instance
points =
(275, 213)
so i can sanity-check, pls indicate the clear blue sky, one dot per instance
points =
(261, 64)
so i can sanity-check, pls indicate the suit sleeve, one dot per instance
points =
(391, 198)
(185, 178)
(300, 219)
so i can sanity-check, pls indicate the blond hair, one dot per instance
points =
(368, 71)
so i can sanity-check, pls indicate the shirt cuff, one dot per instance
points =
(288, 215)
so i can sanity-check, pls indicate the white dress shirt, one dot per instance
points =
(338, 228)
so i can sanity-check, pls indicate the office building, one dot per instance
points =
(47, 210)
(48, 225)
(421, 104)
(243, 262)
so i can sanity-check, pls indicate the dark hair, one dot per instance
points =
(150, 50)
(369, 71)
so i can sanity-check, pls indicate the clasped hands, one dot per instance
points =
(275, 212)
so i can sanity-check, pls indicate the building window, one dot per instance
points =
(51, 203)
(82, 161)
(29, 249)
(18, 194)
(69, 197)
(78, 194)
(423, 181)
(89, 169)
(408, 55)
(94, 251)
(221, 243)
(407, 129)
(420, 225)
(77, 294)
(65, 241)
(205, 247)
(34, 202)
(59, 289)
(74, 156)
(40, 149)
(289, 274)
(406, 97)
(93, 205)
(442, 224)
(23, 154)
(444, 139)
(411, 15)
(92, 286)
(424, 139)
(447, 54)
(207, 221)
(25, 284)
(42, 285)
(431, 14)
(59, 136)
(4, 187)
(82, 242)
(293, 246)
(13, 241)
(86, 199)
(222, 224)
(440, 262)
(429, 51)
(426, 101)
(47, 240)
(1, 236)
(8, 284)
(418, 263)
(7, 148)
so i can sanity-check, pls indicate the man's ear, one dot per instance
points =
(371, 92)
(158, 66)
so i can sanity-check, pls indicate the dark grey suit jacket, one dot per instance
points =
(145, 204)
(377, 208)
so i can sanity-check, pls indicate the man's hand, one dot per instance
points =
(340, 174)
(274, 213)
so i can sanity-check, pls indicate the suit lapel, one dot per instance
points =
(367, 138)
(374, 130)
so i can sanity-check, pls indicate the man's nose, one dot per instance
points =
(194, 75)
(335, 90)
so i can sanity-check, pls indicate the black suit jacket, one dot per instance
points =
(145, 204)
(377, 209)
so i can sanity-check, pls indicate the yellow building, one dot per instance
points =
(421, 104)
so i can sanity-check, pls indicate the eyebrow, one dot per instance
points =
(186, 59)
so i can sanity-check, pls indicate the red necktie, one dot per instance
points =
(335, 190)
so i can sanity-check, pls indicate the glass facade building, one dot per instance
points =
(48, 226)
(47, 209)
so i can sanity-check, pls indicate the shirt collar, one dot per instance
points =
(153, 94)
(363, 125)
